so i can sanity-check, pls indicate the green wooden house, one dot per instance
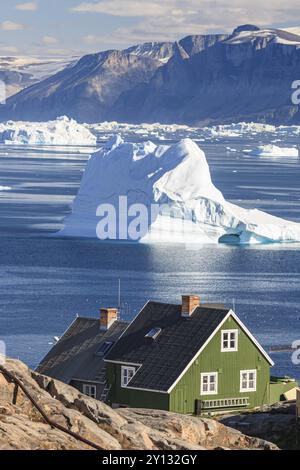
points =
(189, 358)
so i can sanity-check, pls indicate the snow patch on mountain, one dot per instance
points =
(276, 35)
(37, 68)
(162, 51)
(62, 131)
(176, 180)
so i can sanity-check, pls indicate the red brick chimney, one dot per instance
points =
(189, 304)
(108, 316)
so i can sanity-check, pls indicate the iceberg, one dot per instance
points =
(273, 151)
(62, 131)
(175, 180)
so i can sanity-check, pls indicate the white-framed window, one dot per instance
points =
(90, 390)
(126, 375)
(248, 380)
(229, 340)
(209, 383)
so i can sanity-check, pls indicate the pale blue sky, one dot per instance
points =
(63, 27)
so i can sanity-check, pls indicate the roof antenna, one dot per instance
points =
(233, 305)
(119, 298)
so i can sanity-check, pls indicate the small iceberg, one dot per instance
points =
(62, 131)
(124, 179)
(273, 151)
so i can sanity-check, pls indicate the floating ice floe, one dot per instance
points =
(67, 132)
(273, 151)
(172, 187)
(159, 131)
(62, 131)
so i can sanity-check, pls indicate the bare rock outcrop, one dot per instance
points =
(276, 422)
(22, 425)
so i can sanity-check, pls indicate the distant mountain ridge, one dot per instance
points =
(199, 80)
(19, 72)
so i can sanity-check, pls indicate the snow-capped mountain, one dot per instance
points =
(246, 77)
(261, 37)
(19, 72)
(202, 79)
(170, 191)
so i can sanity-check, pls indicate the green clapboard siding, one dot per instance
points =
(228, 365)
(182, 398)
(133, 398)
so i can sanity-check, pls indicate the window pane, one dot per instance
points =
(251, 384)
(251, 376)
(205, 388)
(244, 384)
(232, 344)
(212, 387)
(212, 379)
(205, 379)
(232, 336)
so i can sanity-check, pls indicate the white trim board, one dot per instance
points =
(259, 347)
(147, 390)
(121, 363)
(87, 381)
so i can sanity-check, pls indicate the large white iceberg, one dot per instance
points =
(62, 131)
(273, 151)
(175, 181)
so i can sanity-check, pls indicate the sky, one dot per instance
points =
(72, 27)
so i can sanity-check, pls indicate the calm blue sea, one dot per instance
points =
(46, 281)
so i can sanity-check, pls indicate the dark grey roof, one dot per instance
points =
(164, 359)
(75, 355)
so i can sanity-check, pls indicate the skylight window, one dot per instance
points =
(154, 333)
(104, 348)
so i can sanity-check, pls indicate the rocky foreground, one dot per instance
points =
(22, 426)
(276, 423)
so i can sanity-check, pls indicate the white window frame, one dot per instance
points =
(248, 389)
(208, 392)
(229, 332)
(124, 375)
(90, 390)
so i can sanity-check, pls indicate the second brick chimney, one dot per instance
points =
(189, 304)
(108, 316)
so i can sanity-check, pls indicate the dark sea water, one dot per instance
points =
(46, 281)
